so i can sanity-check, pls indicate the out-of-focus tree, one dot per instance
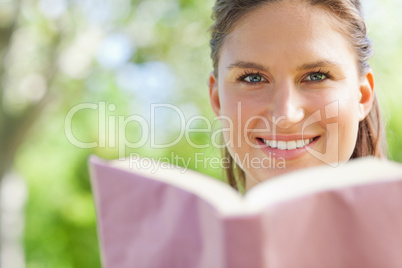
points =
(19, 106)
(59, 54)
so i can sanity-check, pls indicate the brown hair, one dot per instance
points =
(371, 134)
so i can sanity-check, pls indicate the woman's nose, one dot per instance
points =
(288, 107)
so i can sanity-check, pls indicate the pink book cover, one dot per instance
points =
(350, 216)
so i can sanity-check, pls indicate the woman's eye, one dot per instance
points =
(254, 78)
(316, 77)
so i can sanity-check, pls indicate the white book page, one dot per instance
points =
(285, 187)
(317, 179)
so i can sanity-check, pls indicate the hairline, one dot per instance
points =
(336, 22)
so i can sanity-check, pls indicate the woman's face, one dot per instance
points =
(289, 91)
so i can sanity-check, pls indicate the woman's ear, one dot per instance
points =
(214, 94)
(366, 95)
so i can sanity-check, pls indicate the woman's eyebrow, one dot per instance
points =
(247, 65)
(252, 65)
(317, 64)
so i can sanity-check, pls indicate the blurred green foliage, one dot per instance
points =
(57, 55)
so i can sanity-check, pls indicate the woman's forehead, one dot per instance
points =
(289, 19)
(283, 32)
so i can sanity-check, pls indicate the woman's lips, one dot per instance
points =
(289, 149)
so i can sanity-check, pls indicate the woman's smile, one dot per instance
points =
(286, 149)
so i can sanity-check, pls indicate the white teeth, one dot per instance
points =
(299, 143)
(291, 145)
(282, 145)
(287, 145)
(272, 144)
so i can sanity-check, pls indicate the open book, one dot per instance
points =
(165, 216)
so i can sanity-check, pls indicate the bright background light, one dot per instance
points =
(57, 54)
